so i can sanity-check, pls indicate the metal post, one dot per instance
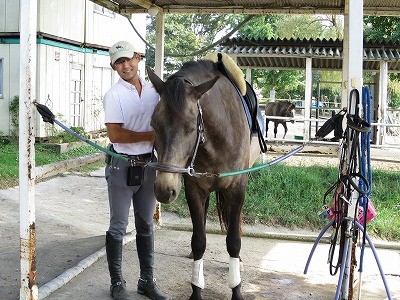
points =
(27, 91)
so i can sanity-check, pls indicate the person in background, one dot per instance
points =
(128, 107)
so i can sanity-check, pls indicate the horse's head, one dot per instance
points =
(175, 122)
(290, 110)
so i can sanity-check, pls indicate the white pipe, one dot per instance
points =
(27, 94)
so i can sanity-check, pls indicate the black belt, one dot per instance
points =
(137, 157)
(140, 157)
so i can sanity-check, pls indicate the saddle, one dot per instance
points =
(249, 101)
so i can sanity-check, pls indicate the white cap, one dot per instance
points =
(121, 49)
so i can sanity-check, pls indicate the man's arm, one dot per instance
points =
(117, 134)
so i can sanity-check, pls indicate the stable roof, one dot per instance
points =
(371, 7)
(292, 53)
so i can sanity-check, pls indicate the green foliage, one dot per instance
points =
(382, 29)
(260, 27)
(310, 27)
(14, 116)
(287, 84)
(185, 34)
(65, 137)
(386, 198)
(394, 90)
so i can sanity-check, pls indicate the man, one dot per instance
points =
(128, 107)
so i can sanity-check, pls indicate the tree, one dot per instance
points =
(382, 29)
(188, 33)
(385, 30)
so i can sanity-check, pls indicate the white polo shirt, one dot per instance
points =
(123, 105)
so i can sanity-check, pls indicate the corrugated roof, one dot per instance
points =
(292, 53)
(372, 7)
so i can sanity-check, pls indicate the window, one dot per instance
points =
(103, 11)
(1, 78)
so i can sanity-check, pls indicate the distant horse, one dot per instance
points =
(200, 126)
(279, 109)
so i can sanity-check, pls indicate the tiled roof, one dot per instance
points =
(291, 53)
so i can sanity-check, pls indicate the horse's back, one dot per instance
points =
(279, 108)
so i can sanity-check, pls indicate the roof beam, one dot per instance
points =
(238, 10)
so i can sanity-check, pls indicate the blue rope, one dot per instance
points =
(365, 165)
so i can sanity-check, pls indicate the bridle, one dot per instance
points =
(190, 168)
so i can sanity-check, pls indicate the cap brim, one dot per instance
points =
(127, 54)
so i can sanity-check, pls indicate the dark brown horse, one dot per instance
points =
(200, 126)
(278, 109)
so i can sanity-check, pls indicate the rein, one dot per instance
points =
(49, 117)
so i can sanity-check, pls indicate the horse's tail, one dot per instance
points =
(222, 208)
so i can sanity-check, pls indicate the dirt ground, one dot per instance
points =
(71, 220)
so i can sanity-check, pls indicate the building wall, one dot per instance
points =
(69, 62)
(9, 16)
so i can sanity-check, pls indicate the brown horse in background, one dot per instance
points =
(200, 125)
(279, 109)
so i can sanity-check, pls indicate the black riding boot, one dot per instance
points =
(147, 284)
(114, 259)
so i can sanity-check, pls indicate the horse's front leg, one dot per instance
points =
(275, 128)
(197, 207)
(234, 243)
(266, 127)
(284, 126)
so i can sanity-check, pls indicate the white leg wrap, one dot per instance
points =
(197, 273)
(234, 272)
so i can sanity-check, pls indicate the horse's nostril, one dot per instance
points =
(173, 194)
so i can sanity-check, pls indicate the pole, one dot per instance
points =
(27, 91)
(353, 76)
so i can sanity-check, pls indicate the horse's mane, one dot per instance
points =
(175, 89)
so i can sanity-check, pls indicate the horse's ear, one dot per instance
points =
(155, 80)
(204, 87)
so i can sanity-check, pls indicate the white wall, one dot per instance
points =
(9, 16)
(10, 54)
(65, 19)
(62, 18)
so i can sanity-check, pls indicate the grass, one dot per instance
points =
(43, 156)
(277, 196)
(292, 197)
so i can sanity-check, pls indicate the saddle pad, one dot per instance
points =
(234, 72)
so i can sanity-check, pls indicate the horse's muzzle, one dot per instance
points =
(167, 187)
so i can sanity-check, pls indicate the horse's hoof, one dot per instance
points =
(196, 293)
(236, 294)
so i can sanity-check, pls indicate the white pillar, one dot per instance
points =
(248, 75)
(382, 108)
(27, 94)
(345, 61)
(307, 99)
(159, 70)
(159, 53)
(353, 72)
